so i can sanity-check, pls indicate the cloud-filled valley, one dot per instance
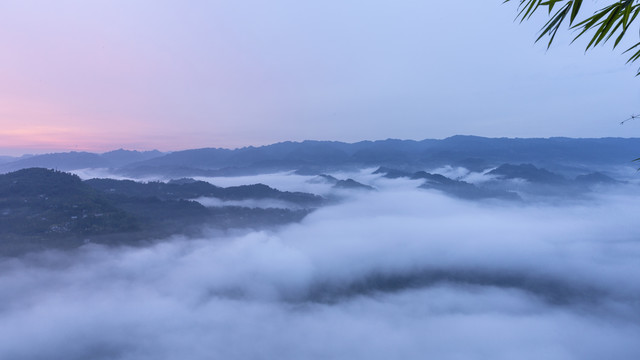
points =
(293, 180)
(400, 272)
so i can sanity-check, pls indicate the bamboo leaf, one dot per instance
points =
(552, 26)
(609, 23)
(575, 10)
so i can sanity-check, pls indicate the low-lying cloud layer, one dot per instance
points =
(397, 273)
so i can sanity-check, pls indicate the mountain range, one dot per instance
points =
(42, 207)
(316, 157)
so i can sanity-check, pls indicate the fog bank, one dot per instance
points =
(397, 273)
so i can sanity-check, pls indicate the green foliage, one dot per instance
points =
(610, 22)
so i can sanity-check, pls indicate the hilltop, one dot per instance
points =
(42, 208)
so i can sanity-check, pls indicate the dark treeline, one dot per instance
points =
(42, 208)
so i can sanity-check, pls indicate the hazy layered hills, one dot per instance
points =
(345, 184)
(42, 208)
(316, 157)
(457, 188)
(78, 160)
(506, 182)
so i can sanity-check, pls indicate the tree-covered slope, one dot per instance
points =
(42, 208)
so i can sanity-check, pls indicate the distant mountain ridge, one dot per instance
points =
(6, 159)
(316, 157)
(79, 160)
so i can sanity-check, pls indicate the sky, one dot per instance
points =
(168, 75)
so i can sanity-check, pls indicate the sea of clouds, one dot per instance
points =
(395, 273)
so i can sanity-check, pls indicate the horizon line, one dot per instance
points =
(18, 152)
